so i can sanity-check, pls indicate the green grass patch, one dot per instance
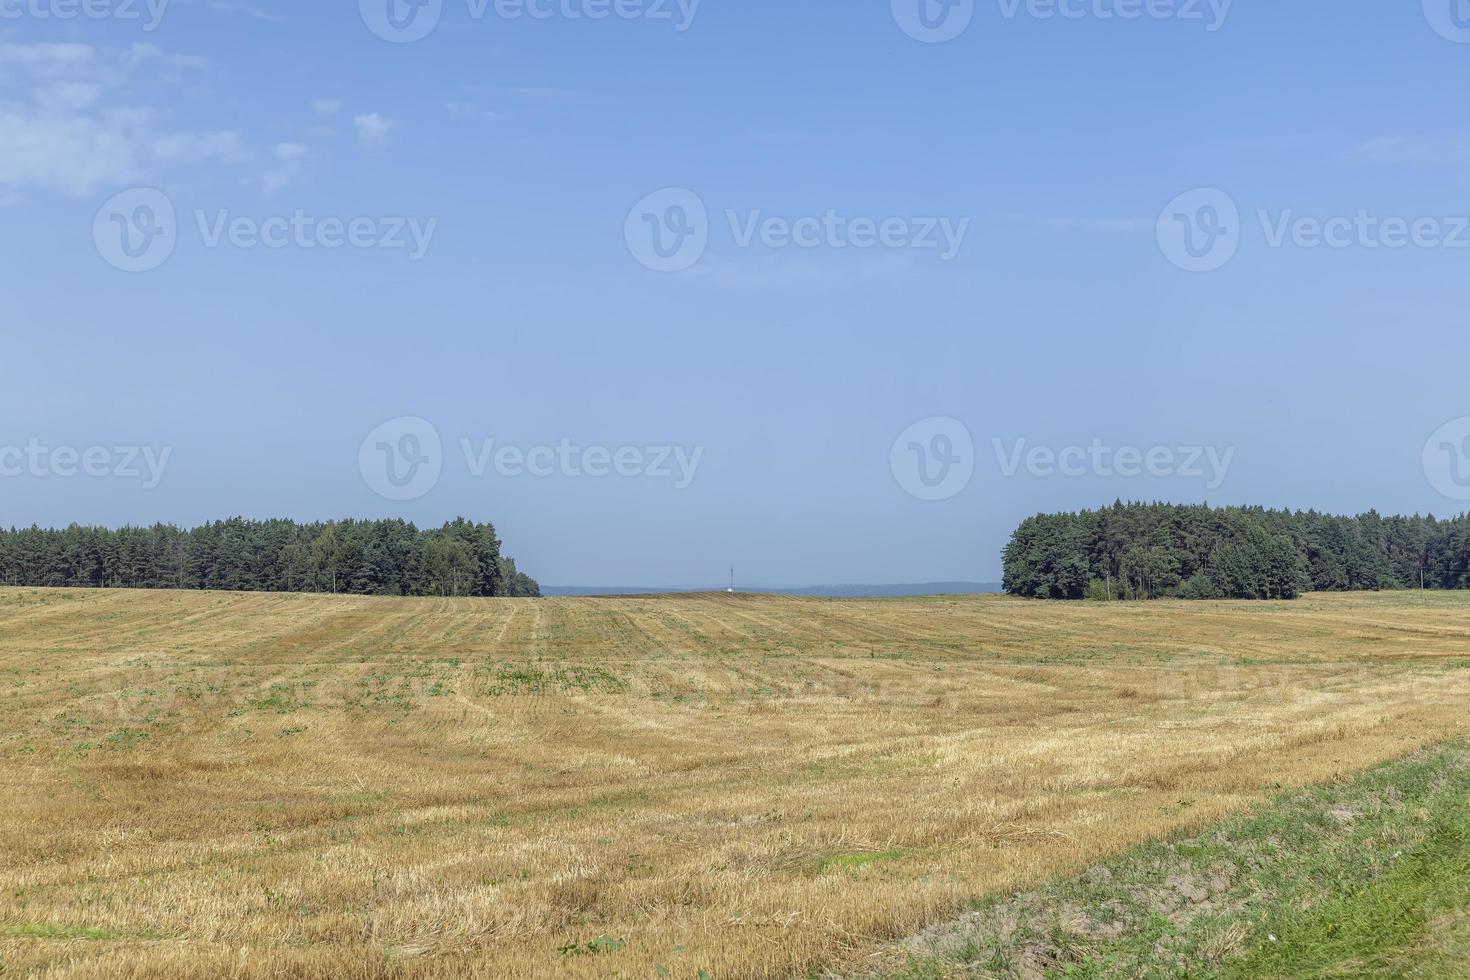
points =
(1367, 877)
(519, 679)
(42, 930)
(1371, 926)
(602, 944)
(856, 860)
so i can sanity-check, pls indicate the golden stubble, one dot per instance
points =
(206, 784)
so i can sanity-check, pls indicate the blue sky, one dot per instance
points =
(789, 376)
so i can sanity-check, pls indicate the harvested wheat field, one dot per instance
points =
(276, 785)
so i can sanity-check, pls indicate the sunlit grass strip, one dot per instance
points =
(42, 930)
(1366, 877)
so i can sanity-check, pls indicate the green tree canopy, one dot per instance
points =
(1146, 551)
(388, 557)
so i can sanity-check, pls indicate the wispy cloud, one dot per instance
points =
(289, 158)
(1429, 150)
(469, 110)
(372, 129)
(1075, 223)
(326, 107)
(238, 9)
(784, 136)
(534, 96)
(248, 9)
(64, 128)
(783, 272)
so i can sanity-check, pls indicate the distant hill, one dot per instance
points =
(827, 591)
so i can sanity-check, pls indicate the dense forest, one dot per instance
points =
(388, 557)
(1147, 551)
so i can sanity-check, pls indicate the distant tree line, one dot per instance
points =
(1149, 551)
(389, 557)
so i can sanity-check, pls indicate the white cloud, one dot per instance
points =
(68, 96)
(372, 129)
(289, 158)
(50, 60)
(77, 153)
(140, 53)
(326, 107)
(59, 132)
